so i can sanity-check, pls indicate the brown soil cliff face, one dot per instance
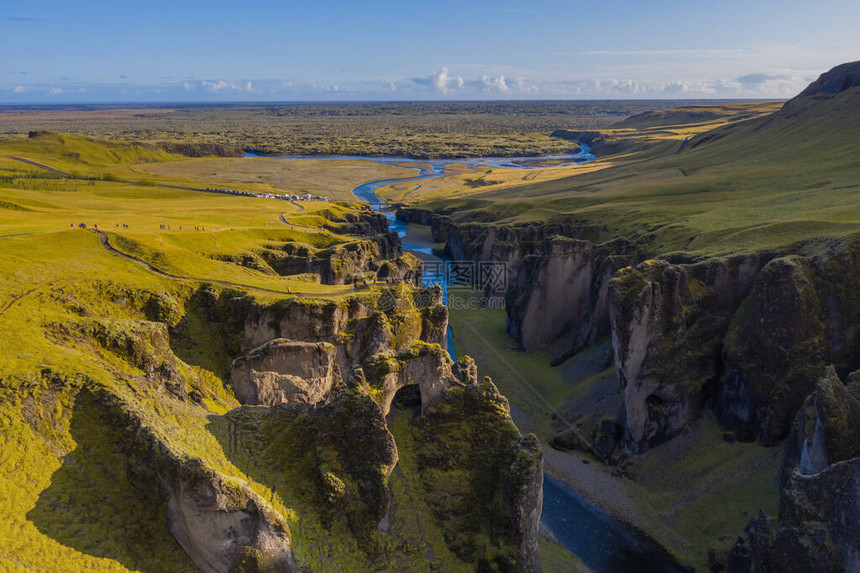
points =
(283, 371)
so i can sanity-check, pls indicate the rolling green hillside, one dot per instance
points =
(757, 184)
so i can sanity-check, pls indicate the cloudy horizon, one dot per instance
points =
(333, 51)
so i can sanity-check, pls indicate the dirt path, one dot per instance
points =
(285, 222)
(39, 165)
(105, 242)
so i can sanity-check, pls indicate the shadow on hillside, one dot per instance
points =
(92, 506)
(207, 334)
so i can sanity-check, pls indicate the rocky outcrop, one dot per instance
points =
(359, 327)
(221, 524)
(225, 527)
(836, 80)
(816, 531)
(803, 313)
(424, 365)
(773, 353)
(362, 221)
(525, 489)
(355, 455)
(820, 490)
(285, 372)
(668, 322)
(484, 481)
(379, 258)
(826, 429)
(144, 345)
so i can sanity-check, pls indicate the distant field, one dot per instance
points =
(424, 130)
(334, 178)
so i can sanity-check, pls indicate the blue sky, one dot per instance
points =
(99, 51)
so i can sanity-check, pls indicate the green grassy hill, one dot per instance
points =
(115, 381)
(761, 183)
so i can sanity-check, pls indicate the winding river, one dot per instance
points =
(603, 542)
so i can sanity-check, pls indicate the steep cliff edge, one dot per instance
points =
(343, 262)
(668, 322)
(220, 522)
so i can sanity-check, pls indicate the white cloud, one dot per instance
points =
(55, 91)
(216, 87)
(19, 89)
(249, 87)
(495, 84)
(443, 81)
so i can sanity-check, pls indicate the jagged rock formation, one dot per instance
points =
(379, 258)
(820, 498)
(393, 348)
(772, 355)
(285, 372)
(359, 328)
(221, 524)
(826, 429)
(423, 365)
(355, 455)
(667, 325)
(457, 459)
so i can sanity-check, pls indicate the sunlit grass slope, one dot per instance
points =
(79, 321)
(749, 185)
(641, 137)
